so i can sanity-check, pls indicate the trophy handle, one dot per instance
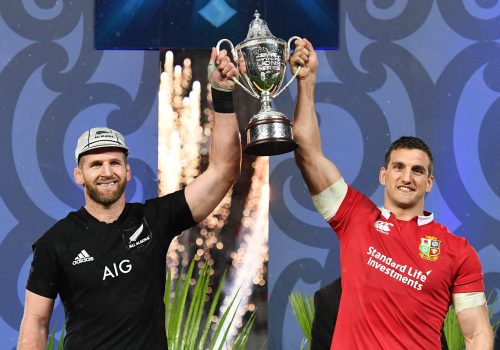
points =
(287, 58)
(233, 51)
(235, 58)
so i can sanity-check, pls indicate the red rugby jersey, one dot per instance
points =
(397, 277)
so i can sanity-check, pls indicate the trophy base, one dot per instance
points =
(270, 147)
(269, 136)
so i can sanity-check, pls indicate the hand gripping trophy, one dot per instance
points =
(263, 59)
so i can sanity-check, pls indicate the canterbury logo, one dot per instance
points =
(383, 227)
(82, 257)
(136, 234)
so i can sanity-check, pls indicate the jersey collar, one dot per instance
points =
(421, 219)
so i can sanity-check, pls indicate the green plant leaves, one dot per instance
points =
(51, 341)
(183, 321)
(303, 309)
(241, 341)
(452, 331)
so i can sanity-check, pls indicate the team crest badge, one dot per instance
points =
(137, 238)
(430, 247)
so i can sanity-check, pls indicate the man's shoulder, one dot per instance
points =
(175, 198)
(437, 226)
(154, 205)
(63, 227)
(356, 201)
(445, 233)
(357, 196)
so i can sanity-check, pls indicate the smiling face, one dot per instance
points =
(407, 179)
(104, 174)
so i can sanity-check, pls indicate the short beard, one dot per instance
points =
(105, 200)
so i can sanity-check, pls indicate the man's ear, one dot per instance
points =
(78, 175)
(129, 172)
(430, 182)
(381, 176)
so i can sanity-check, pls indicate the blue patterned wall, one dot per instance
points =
(54, 86)
(425, 68)
(429, 68)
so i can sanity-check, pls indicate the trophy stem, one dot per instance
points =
(265, 100)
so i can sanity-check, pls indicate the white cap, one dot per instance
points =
(99, 138)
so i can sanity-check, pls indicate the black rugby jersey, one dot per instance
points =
(111, 277)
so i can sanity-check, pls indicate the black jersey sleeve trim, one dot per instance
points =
(43, 277)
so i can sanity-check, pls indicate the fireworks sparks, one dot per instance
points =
(252, 253)
(183, 148)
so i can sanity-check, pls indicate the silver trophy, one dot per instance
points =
(263, 67)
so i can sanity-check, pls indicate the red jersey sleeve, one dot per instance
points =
(469, 275)
(354, 204)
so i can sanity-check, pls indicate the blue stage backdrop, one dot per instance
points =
(426, 68)
(54, 86)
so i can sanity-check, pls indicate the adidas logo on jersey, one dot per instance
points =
(383, 227)
(82, 257)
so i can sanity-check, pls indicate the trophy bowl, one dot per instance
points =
(262, 64)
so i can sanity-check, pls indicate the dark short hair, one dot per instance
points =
(409, 142)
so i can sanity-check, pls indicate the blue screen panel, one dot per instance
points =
(135, 24)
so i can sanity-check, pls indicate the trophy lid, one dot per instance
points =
(258, 29)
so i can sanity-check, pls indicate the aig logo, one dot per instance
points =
(123, 266)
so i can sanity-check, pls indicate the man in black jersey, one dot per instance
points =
(107, 260)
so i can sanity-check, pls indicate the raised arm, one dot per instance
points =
(208, 189)
(35, 323)
(317, 171)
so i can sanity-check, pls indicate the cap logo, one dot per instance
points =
(106, 135)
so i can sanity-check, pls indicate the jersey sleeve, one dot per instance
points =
(355, 205)
(328, 201)
(469, 275)
(172, 213)
(44, 274)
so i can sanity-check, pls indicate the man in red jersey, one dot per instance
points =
(400, 269)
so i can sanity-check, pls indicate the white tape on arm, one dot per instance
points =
(328, 201)
(462, 301)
